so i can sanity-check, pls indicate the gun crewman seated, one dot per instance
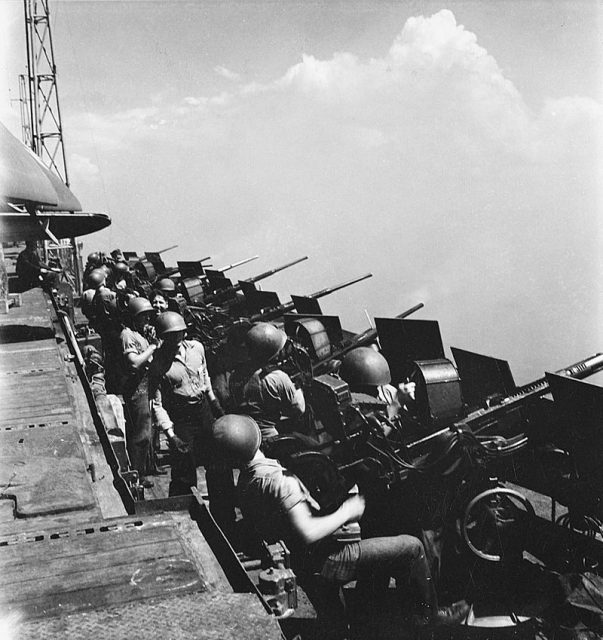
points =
(32, 272)
(366, 371)
(281, 508)
(264, 391)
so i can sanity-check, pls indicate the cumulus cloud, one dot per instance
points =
(424, 165)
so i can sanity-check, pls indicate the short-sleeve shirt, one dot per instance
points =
(181, 385)
(133, 342)
(268, 397)
(267, 492)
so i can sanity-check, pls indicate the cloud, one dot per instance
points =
(424, 165)
(227, 73)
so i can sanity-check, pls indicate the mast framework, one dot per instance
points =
(46, 130)
(42, 129)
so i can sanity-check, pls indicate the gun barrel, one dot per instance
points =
(343, 285)
(228, 267)
(271, 272)
(225, 293)
(584, 368)
(270, 314)
(410, 311)
(174, 246)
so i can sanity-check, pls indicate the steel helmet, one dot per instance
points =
(236, 437)
(167, 285)
(139, 305)
(94, 258)
(366, 367)
(96, 278)
(120, 268)
(169, 322)
(264, 341)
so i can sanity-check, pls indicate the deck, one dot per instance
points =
(73, 563)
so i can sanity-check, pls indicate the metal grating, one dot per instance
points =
(199, 616)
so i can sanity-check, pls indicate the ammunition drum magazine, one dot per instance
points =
(332, 401)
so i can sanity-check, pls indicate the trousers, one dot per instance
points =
(371, 562)
(194, 429)
(139, 430)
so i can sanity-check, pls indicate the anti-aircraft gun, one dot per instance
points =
(213, 322)
(269, 306)
(430, 472)
(227, 293)
(200, 282)
(151, 267)
(560, 441)
(317, 344)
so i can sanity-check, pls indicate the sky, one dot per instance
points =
(451, 149)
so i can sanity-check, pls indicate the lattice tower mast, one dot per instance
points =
(46, 138)
(41, 114)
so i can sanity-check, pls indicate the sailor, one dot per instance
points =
(31, 271)
(231, 356)
(168, 287)
(121, 275)
(123, 285)
(108, 322)
(93, 261)
(366, 371)
(95, 279)
(138, 352)
(261, 389)
(118, 255)
(280, 507)
(184, 406)
(159, 301)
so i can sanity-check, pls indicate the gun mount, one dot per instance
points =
(359, 340)
(483, 419)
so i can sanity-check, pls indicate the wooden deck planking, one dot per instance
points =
(78, 542)
(131, 559)
(115, 585)
(61, 568)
